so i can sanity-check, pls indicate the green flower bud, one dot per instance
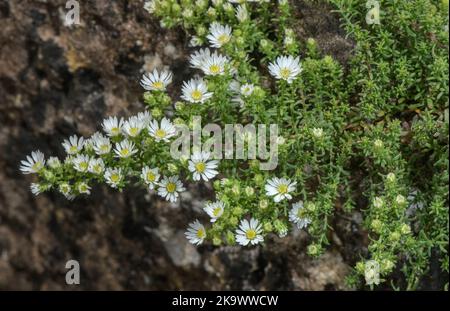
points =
(172, 168)
(376, 225)
(360, 267)
(395, 236)
(310, 207)
(237, 211)
(405, 229)
(390, 177)
(263, 204)
(314, 250)
(234, 221)
(267, 227)
(217, 241)
(249, 191)
(230, 238)
(156, 113)
(400, 200)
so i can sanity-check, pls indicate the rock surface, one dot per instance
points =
(56, 81)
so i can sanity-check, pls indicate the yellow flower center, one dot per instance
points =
(134, 131)
(201, 233)
(160, 133)
(104, 148)
(200, 167)
(115, 178)
(158, 85)
(282, 189)
(223, 38)
(115, 130)
(124, 152)
(73, 149)
(217, 211)
(97, 168)
(171, 187)
(37, 166)
(301, 213)
(84, 166)
(285, 73)
(215, 69)
(196, 95)
(250, 234)
(150, 177)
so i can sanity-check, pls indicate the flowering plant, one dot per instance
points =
(370, 136)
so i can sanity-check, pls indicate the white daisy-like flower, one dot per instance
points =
(241, 13)
(145, 117)
(249, 232)
(96, 166)
(53, 162)
(285, 68)
(195, 91)
(297, 215)
(170, 187)
(133, 126)
(317, 132)
(150, 176)
(219, 35)
(150, 6)
(125, 149)
(73, 145)
(101, 144)
(162, 131)
(247, 89)
(202, 167)
(214, 64)
(112, 126)
(84, 188)
(214, 210)
(113, 176)
(199, 57)
(372, 272)
(196, 233)
(81, 163)
(66, 190)
(35, 188)
(156, 81)
(33, 163)
(280, 188)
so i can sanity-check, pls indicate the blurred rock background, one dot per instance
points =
(56, 81)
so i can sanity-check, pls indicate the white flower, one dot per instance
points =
(317, 132)
(241, 13)
(34, 163)
(112, 126)
(156, 81)
(35, 188)
(84, 188)
(150, 176)
(201, 167)
(66, 190)
(101, 144)
(214, 64)
(162, 132)
(378, 202)
(195, 91)
(96, 166)
(297, 215)
(198, 58)
(73, 145)
(170, 187)
(214, 210)
(219, 35)
(133, 126)
(113, 176)
(247, 89)
(53, 162)
(81, 163)
(145, 117)
(125, 149)
(400, 199)
(196, 233)
(150, 6)
(195, 41)
(279, 188)
(249, 232)
(285, 68)
(372, 272)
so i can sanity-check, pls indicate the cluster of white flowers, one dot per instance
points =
(372, 272)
